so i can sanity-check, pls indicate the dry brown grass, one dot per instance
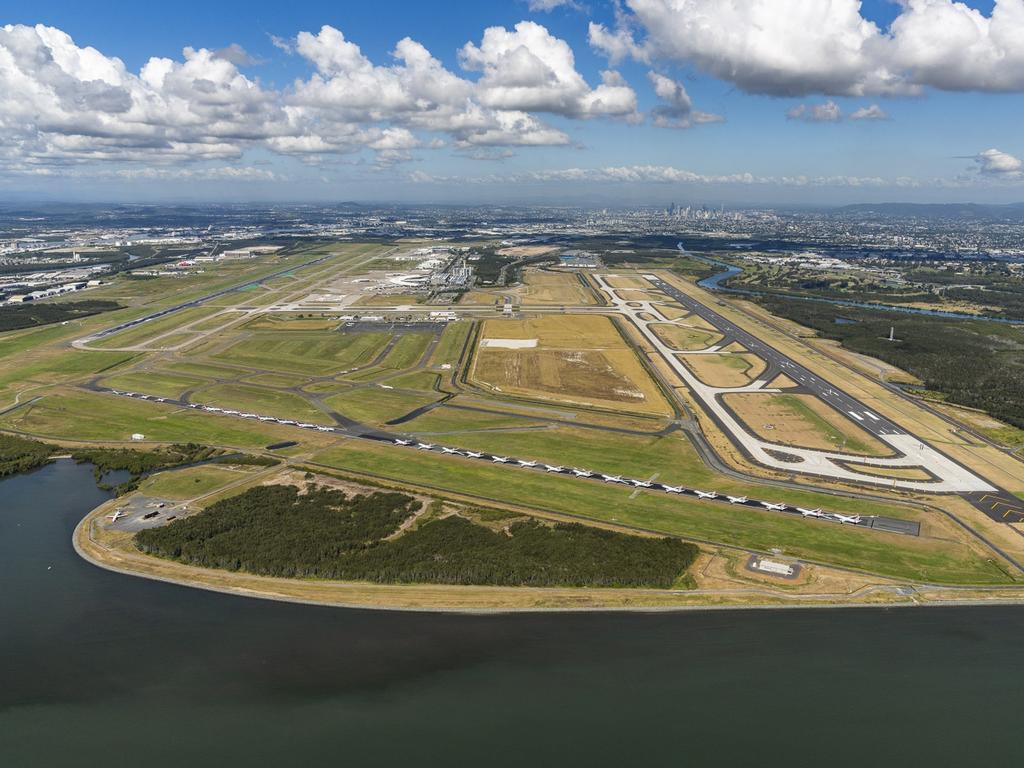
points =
(541, 287)
(581, 360)
(725, 369)
(901, 473)
(684, 338)
(803, 421)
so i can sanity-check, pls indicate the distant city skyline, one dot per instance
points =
(557, 102)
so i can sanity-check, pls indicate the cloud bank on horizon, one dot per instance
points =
(69, 110)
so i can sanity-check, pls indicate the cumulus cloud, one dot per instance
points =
(65, 104)
(872, 112)
(677, 110)
(803, 47)
(827, 112)
(527, 68)
(993, 162)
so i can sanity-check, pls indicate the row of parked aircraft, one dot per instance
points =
(582, 473)
(619, 480)
(229, 412)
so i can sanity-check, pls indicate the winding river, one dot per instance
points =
(714, 283)
(101, 669)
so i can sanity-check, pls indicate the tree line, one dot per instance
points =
(973, 363)
(276, 531)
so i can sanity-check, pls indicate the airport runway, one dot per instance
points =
(349, 428)
(194, 303)
(996, 503)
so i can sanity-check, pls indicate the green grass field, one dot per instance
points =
(424, 381)
(305, 352)
(452, 341)
(145, 333)
(189, 483)
(887, 554)
(261, 400)
(153, 383)
(87, 416)
(375, 405)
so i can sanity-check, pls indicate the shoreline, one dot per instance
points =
(490, 600)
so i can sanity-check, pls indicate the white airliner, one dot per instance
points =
(456, 451)
(424, 446)
(810, 512)
(844, 519)
(523, 463)
(775, 507)
(612, 479)
(582, 473)
(499, 459)
(549, 468)
(116, 516)
(706, 494)
(672, 488)
(737, 499)
(474, 455)
(399, 441)
(641, 483)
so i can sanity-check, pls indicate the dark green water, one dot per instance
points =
(108, 670)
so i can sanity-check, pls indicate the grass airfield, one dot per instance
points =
(586, 393)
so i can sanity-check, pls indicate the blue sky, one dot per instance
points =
(757, 101)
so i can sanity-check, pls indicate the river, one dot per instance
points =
(714, 283)
(100, 669)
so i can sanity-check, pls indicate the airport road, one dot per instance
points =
(947, 476)
(346, 427)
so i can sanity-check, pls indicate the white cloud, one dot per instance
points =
(543, 6)
(529, 69)
(872, 112)
(996, 163)
(827, 112)
(677, 110)
(804, 47)
(65, 104)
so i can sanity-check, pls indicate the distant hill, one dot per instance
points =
(1014, 211)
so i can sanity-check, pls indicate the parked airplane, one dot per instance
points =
(499, 459)
(523, 463)
(774, 507)
(612, 479)
(844, 519)
(641, 483)
(424, 446)
(810, 512)
(399, 441)
(549, 468)
(474, 455)
(706, 494)
(582, 473)
(452, 450)
(737, 499)
(672, 488)
(116, 516)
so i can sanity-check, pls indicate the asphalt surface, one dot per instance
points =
(196, 302)
(350, 428)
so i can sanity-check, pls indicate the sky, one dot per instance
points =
(560, 102)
